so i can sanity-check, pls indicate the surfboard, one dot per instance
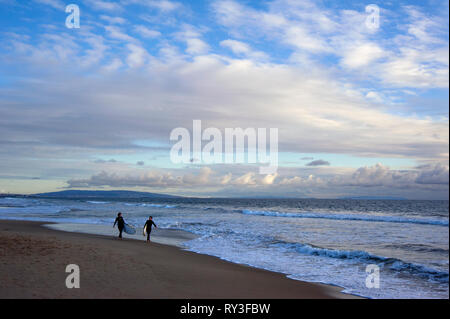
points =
(145, 230)
(129, 229)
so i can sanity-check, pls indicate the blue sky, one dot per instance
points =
(94, 107)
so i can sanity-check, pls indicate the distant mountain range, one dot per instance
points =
(103, 194)
(119, 194)
(374, 197)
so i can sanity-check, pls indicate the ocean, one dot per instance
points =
(314, 240)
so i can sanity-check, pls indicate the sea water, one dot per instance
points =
(327, 241)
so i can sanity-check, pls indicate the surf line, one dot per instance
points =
(191, 309)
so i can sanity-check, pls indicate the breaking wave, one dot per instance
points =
(388, 219)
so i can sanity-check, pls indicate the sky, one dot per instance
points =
(360, 104)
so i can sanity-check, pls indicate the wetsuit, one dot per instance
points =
(120, 224)
(149, 223)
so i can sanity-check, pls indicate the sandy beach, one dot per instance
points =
(33, 260)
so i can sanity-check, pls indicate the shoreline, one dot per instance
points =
(35, 257)
(171, 237)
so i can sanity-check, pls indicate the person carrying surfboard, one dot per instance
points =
(120, 224)
(148, 227)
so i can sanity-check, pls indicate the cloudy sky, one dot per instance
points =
(360, 110)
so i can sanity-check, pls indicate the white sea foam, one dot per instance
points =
(150, 205)
(367, 218)
(161, 236)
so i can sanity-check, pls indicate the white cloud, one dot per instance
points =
(241, 48)
(269, 179)
(116, 33)
(416, 58)
(380, 177)
(95, 54)
(361, 55)
(163, 5)
(113, 66)
(236, 46)
(191, 35)
(434, 174)
(113, 20)
(374, 96)
(196, 46)
(146, 32)
(416, 68)
(137, 56)
(57, 4)
(303, 39)
(337, 119)
(105, 5)
(424, 28)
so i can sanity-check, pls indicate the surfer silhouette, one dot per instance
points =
(120, 224)
(148, 227)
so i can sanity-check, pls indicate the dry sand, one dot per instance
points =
(33, 260)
